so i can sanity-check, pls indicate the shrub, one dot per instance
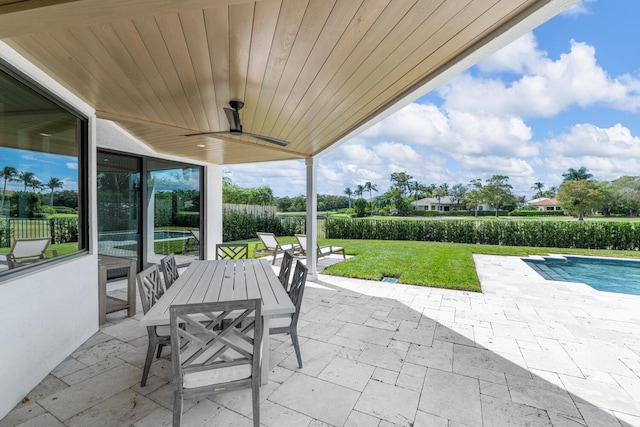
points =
(63, 230)
(553, 234)
(238, 225)
(65, 210)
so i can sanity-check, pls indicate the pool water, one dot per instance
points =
(157, 236)
(603, 274)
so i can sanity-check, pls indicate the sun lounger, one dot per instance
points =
(269, 245)
(322, 250)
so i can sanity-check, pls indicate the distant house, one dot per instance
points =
(445, 204)
(545, 204)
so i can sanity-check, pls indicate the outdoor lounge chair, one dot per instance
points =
(269, 245)
(27, 251)
(192, 244)
(322, 250)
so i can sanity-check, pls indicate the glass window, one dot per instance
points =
(42, 177)
(174, 210)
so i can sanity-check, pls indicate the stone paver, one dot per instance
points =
(524, 352)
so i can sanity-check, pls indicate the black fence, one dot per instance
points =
(60, 230)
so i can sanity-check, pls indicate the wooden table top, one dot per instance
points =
(213, 281)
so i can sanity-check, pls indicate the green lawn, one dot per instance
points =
(441, 265)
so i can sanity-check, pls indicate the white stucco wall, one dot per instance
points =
(46, 315)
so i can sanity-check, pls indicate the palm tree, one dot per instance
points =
(577, 175)
(358, 191)
(36, 185)
(538, 186)
(27, 178)
(349, 193)
(8, 174)
(53, 184)
(370, 187)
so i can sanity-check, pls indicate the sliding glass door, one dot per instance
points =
(146, 219)
(119, 207)
(173, 207)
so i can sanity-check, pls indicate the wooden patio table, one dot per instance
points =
(214, 281)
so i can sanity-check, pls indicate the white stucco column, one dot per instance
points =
(312, 222)
(213, 209)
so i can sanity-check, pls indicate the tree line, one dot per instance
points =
(579, 194)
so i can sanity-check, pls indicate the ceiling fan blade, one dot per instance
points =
(208, 133)
(268, 139)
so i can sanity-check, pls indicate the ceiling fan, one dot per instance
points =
(235, 127)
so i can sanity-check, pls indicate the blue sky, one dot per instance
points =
(44, 166)
(563, 96)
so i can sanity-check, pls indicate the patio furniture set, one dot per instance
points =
(217, 317)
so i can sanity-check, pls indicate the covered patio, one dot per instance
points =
(140, 78)
(525, 352)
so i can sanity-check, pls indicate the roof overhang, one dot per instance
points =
(313, 73)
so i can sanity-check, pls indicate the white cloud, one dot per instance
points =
(488, 166)
(578, 9)
(548, 88)
(72, 165)
(520, 56)
(589, 140)
(423, 124)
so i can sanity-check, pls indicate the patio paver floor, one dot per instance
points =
(524, 352)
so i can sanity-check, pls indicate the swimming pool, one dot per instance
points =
(603, 274)
(157, 236)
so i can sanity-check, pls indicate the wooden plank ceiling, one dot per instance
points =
(309, 72)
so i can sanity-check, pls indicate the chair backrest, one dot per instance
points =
(268, 240)
(169, 270)
(150, 287)
(302, 241)
(27, 248)
(219, 345)
(285, 269)
(297, 287)
(232, 251)
(196, 234)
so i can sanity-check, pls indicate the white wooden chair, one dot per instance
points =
(218, 350)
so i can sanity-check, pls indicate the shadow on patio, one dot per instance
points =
(378, 354)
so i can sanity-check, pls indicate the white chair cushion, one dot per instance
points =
(163, 331)
(280, 322)
(216, 376)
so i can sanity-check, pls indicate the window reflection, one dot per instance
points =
(174, 210)
(39, 177)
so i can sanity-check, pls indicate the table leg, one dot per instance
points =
(131, 289)
(102, 294)
(264, 367)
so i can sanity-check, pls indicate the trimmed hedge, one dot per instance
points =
(535, 213)
(63, 230)
(237, 225)
(552, 234)
(458, 213)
